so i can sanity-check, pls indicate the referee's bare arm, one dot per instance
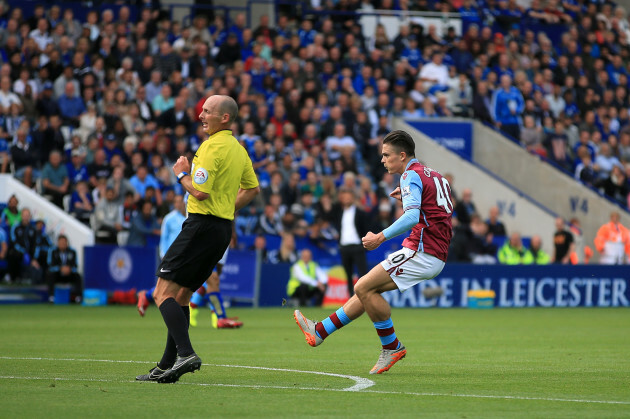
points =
(187, 184)
(183, 165)
(245, 196)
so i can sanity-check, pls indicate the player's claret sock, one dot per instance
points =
(332, 323)
(392, 352)
(198, 297)
(385, 330)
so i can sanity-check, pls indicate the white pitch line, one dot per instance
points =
(255, 386)
(485, 396)
(360, 383)
(353, 388)
(102, 380)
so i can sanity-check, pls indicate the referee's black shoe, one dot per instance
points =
(153, 375)
(190, 363)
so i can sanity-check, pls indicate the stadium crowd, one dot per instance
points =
(93, 113)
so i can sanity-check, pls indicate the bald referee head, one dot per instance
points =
(218, 113)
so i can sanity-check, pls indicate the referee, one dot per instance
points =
(220, 181)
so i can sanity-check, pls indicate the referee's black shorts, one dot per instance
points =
(196, 250)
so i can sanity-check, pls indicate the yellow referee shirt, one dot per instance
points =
(220, 167)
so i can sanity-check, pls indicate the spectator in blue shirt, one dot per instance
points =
(469, 15)
(143, 179)
(410, 110)
(81, 202)
(55, 178)
(507, 107)
(247, 221)
(249, 137)
(508, 13)
(76, 168)
(237, 28)
(364, 79)
(163, 101)
(306, 33)
(462, 58)
(71, 106)
(615, 69)
(503, 66)
(412, 52)
(260, 158)
(110, 146)
(144, 226)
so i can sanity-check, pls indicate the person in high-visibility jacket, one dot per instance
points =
(613, 242)
(308, 281)
(512, 252)
(535, 255)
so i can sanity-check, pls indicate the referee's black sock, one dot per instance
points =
(170, 351)
(177, 324)
(186, 310)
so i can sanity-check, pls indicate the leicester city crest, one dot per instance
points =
(120, 265)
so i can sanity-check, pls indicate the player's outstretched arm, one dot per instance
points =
(405, 223)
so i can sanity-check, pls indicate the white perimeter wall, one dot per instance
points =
(57, 220)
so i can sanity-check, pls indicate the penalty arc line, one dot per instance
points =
(354, 388)
(360, 383)
(103, 380)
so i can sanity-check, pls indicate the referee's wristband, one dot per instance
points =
(180, 176)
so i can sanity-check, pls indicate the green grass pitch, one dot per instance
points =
(71, 361)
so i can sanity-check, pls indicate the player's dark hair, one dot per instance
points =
(401, 141)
